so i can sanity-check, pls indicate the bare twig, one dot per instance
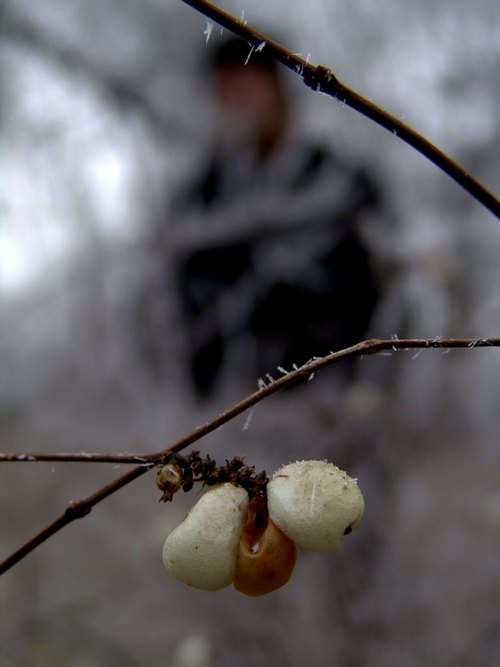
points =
(322, 79)
(79, 509)
(68, 457)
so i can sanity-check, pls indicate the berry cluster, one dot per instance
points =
(232, 535)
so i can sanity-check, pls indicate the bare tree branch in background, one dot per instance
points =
(79, 509)
(119, 88)
(322, 79)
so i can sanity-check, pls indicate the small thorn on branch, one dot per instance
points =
(321, 78)
(77, 509)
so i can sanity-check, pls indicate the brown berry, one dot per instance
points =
(266, 556)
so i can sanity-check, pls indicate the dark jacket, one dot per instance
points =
(271, 269)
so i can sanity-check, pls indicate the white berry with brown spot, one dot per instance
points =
(315, 504)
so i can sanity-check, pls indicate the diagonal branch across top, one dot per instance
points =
(322, 79)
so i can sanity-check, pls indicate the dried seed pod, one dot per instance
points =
(169, 480)
(315, 504)
(266, 556)
(201, 551)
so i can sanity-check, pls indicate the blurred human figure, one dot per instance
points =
(271, 270)
(270, 265)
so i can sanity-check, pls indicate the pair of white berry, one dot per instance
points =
(229, 538)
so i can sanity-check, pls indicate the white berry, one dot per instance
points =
(202, 550)
(315, 504)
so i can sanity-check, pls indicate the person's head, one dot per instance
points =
(250, 95)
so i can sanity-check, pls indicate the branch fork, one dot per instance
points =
(79, 509)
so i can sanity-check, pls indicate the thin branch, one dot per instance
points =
(77, 509)
(365, 348)
(322, 79)
(68, 457)
(81, 508)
